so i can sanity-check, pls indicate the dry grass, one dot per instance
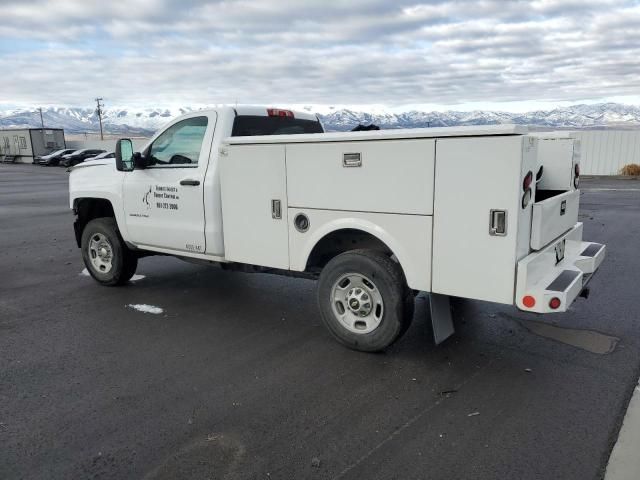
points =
(632, 170)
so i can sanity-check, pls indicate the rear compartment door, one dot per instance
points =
(557, 157)
(552, 217)
(476, 176)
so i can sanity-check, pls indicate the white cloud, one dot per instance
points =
(342, 52)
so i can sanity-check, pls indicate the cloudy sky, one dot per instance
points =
(441, 54)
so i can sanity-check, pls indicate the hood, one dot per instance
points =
(95, 163)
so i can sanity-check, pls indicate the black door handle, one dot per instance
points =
(192, 183)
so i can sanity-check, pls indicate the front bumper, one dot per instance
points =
(542, 278)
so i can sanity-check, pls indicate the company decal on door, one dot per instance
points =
(166, 197)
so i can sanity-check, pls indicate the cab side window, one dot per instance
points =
(180, 144)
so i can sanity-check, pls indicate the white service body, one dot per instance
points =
(448, 203)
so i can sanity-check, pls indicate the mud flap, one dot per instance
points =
(78, 231)
(441, 318)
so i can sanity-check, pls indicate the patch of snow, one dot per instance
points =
(144, 308)
(135, 278)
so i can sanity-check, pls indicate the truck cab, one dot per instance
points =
(374, 216)
(157, 196)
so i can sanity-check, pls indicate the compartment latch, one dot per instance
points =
(276, 209)
(498, 223)
(351, 160)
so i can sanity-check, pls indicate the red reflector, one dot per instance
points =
(527, 181)
(276, 112)
(554, 303)
(528, 301)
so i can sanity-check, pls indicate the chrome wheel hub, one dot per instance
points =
(357, 303)
(100, 253)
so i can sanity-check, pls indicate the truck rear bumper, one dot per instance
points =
(543, 282)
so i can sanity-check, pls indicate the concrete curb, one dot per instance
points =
(624, 462)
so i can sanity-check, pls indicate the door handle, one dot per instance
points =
(189, 182)
(276, 209)
(498, 223)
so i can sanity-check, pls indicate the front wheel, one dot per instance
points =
(105, 254)
(363, 300)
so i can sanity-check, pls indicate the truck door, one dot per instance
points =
(164, 203)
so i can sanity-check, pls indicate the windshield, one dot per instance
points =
(250, 125)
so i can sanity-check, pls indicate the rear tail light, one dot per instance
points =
(528, 301)
(276, 112)
(526, 186)
(554, 303)
(576, 177)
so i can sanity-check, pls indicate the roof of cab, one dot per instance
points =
(261, 111)
(470, 131)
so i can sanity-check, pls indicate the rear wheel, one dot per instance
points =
(105, 254)
(364, 300)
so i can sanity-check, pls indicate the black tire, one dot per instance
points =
(388, 280)
(124, 262)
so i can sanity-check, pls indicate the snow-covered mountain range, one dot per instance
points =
(575, 116)
(131, 121)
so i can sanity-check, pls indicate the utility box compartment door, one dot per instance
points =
(254, 205)
(386, 176)
(553, 217)
(557, 158)
(475, 176)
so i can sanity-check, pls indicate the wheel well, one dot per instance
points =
(341, 241)
(87, 209)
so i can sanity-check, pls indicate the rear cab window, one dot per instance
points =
(251, 125)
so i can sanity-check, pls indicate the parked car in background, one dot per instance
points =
(101, 156)
(53, 158)
(79, 156)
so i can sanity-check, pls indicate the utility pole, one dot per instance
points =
(41, 120)
(99, 112)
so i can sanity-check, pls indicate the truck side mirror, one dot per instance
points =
(124, 155)
(140, 161)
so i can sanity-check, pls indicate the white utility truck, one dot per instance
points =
(375, 216)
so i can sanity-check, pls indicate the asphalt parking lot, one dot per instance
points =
(238, 379)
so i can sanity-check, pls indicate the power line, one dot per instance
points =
(99, 112)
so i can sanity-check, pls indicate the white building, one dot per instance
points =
(22, 145)
(605, 152)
